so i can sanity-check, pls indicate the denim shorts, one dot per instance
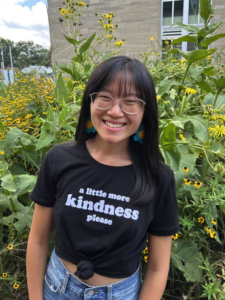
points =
(61, 284)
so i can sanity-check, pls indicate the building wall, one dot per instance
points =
(137, 20)
(219, 15)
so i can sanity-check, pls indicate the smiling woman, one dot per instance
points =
(105, 191)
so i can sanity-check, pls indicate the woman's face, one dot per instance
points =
(106, 122)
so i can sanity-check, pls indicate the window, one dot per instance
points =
(172, 12)
(183, 11)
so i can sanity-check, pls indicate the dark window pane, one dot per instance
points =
(193, 12)
(167, 13)
(178, 11)
(190, 46)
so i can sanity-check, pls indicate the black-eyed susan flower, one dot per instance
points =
(198, 184)
(10, 247)
(199, 154)
(187, 181)
(146, 250)
(213, 221)
(4, 275)
(146, 258)
(10, 224)
(16, 286)
(185, 169)
(175, 237)
(201, 220)
(190, 91)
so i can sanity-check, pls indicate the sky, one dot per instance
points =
(25, 20)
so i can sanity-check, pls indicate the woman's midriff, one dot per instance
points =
(95, 280)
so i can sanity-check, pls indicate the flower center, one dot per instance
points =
(141, 134)
(88, 124)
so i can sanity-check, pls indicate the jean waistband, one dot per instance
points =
(63, 273)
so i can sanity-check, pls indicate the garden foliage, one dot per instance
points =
(191, 99)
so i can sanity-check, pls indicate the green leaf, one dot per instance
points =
(196, 55)
(61, 91)
(209, 98)
(185, 38)
(11, 140)
(87, 44)
(24, 184)
(66, 70)
(63, 114)
(187, 259)
(69, 127)
(204, 168)
(7, 182)
(73, 41)
(219, 83)
(209, 71)
(189, 28)
(75, 72)
(3, 167)
(2, 127)
(200, 126)
(177, 124)
(4, 202)
(45, 138)
(168, 149)
(165, 86)
(195, 72)
(211, 28)
(214, 38)
(177, 51)
(205, 86)
(205, 9)
(77, 58)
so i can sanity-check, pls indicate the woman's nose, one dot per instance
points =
(115, 110)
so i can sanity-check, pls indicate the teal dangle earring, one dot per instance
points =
(139, 134)
(89, 126)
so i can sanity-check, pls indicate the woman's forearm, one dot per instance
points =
(36, 262)
(153, 286)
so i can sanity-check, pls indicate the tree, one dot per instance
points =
(25, 54)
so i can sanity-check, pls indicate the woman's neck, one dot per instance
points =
(109, 153)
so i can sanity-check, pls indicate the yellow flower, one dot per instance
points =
(171, 39)
(190, 91)
(198, 184)
(187, 181)
(16, 286)
(2, 152)
(152, 39)
(201, 220)
(214, 117)
(81, 3)
(10, 224)
(4, 275)
(158, 54)
(166, 42)
(63, 11)
(217, 130)
(175, 237)
(109, 36)
(158, 97)
(119, 43)
(182, 137)
(108, 17)
(146, 258)
(199, 154)
(10, 247)
(152, 53)
(213, 221)
(185, 169)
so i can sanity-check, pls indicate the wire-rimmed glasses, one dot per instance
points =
(104, 101)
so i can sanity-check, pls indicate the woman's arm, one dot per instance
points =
(157, 267)
(37, 250)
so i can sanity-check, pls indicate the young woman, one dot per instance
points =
(103, 193)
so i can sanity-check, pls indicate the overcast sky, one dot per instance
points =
(25, 20)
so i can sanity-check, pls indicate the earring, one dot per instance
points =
(139, 134)
(89, 126)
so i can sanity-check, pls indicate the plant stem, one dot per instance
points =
(217, 94)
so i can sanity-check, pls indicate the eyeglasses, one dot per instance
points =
(103, 101)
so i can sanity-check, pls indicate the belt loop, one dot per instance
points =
(109, 292)
(65, 281)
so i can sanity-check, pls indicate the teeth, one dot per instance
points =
(113, 125)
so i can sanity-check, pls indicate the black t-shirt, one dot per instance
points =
(92, 214)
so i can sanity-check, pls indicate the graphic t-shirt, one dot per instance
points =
(92, 214)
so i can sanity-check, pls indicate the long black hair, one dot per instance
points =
(145, 157)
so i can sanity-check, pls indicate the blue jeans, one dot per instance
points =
(61, 284)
